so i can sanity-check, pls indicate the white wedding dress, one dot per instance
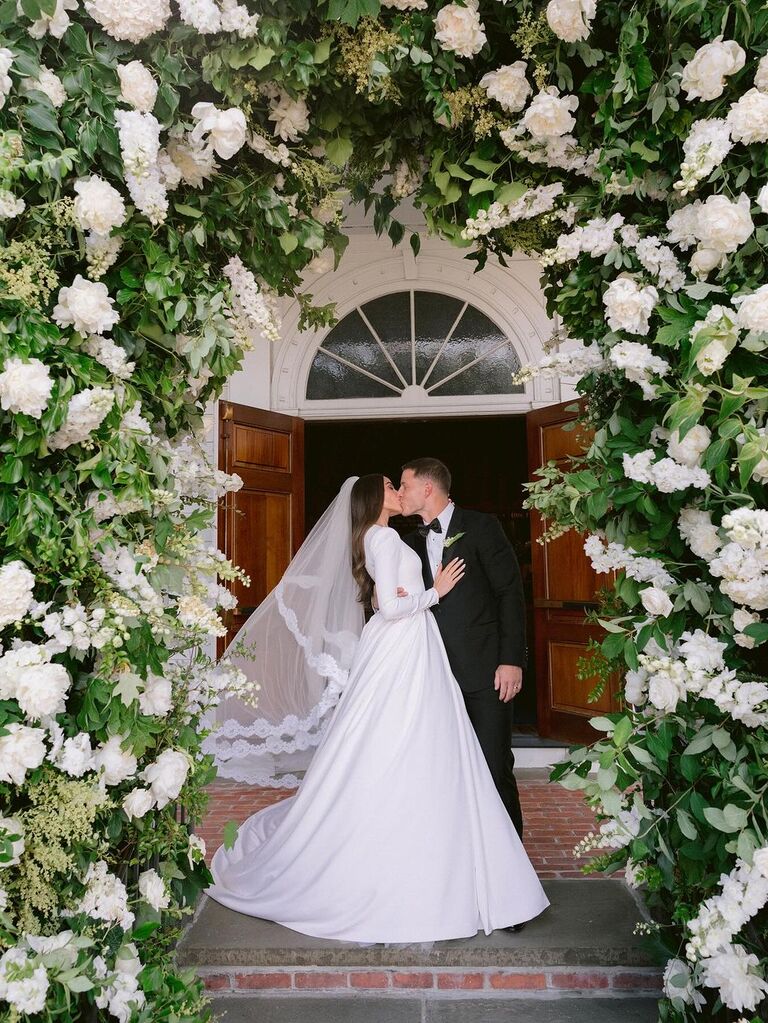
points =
(397, 832)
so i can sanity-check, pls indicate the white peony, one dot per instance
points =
(508, 86)
(634, 687)
(21, 750)
(753, 310)
(49, 84)
(133, 20)
(115, 763)
(704, 75)
(550, 114)
(656, 602)
(748, 118)
(736, 974)
(86, 306)
(692, 446)
(291, 116)
(152, 889)
(16, 585)
(137, 86)
(156, 698)
(704, 261)
(223, 130)
(25, 386)
(39, 687)
(137, 803)
(98, 207)
(570, 20)
(166, 776)
(683, 224)
(9, 826)
(629, 306)
(459, 29)
(723, 225)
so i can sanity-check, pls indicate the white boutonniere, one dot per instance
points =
(451, 540)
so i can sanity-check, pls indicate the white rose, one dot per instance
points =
(570, 19)
(41, 690)
(550, 114)
(49, 84)
(724, 225)
(224, 130)
(748, 118)
(508, 86)
(115, 763)
(689, 450)
(704, 75)
(153, 891)
(137, 803)
(21, 750)
(753, 309)
(629, 306)
(711, 357)
(86, 306)
(10, 826)
(291, 116)
(664, 694)
(166, 776)
(137, 86)
(156, 698)
(25, 386)
(98, 207)
(761, 75)
(76, 756)
(460, 30)
(656, 602)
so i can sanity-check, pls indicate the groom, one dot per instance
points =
(482, 620)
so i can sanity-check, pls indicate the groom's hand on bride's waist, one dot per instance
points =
(508, 681)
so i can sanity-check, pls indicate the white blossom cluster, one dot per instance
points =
(109, 354)
(406, 179)
(75, 627)
(667, 474)
(720, 326)
(74, 756)
(6, 82)
(742, 563)
(254, 306)
(10, 206)
(560, 151)
(121, 994)
(278, 154)
(638, 364)
(105, 897)
(23, 982)
(615, 557)
(578, 361)
(706, 146)
(86, 412)
(49, 84)
(133, 21)
(532, 203)
(129, 576)
(139, 135)
(209, 17)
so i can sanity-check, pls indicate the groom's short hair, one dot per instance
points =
(431, 469)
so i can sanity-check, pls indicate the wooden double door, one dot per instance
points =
(262, 525)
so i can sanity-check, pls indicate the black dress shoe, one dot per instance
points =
(515, 929)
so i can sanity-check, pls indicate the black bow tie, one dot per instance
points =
(434, 525)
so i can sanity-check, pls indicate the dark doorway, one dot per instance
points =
(488, 460)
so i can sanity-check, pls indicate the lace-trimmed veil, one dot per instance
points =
(298, 646)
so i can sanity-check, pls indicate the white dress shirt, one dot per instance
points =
(436, 541)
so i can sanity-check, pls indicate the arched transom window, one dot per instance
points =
(413, 346)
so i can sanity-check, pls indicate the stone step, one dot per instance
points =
(584, 943)
(414, 1010)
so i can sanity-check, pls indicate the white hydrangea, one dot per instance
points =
(10, 206)
(153, 890)
(86, 411)
(166, 775)
(291, 116)
(25, 386)
(508, 86)
(697, 529)
(98, 207)
(704, 75)
(753, 310)
(86, 306)
(138, 88)
(23, 984)
(550, 114)
(115, 763)
(49, 84)
(16, 585)
(639, 364)
(748, 118)
(22, 749)
(39, 687)
(106, 897)
(629, 305)
(571, 20)
(132, 20)
(667, 474)
(459, 29)
(689, 449)
(109, 354)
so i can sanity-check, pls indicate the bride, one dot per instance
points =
(396, 833)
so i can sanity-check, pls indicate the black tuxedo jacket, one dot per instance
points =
(482, 619)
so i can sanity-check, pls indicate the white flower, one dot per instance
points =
(6, 82)
(678, 984)
(753, 310)
(109, 354)
(736, 975)
(696, 528)
(760, 861)
(76, 756)
(49, 84)
(689, 450)
(629, 306)
(723, 225)
(98, 207)
(9, 826)
(508, 86)
(56, 24)
(196, 851)
(21, 750)
(682, 225)
(101, 252)
(133, 20)
(664, 693)
(635, 687)
(291, 116)
(139, 135)
(639, 364)
(25, 386)
(748, 118)
(741, 619)
(223, 130)
(550, 114)
(137, 86)
(704, 75)
(252, 303)
(10, 206)
(570, 20)
(153, 891)
(39, 687)
(105, 897)
(86, 306)
(656, 602)
(115, 763)
(196, 163)
(406, 5)
(707, 145)
(459, 29)
(86, 412)
(761, 75)
(22, 984)
(666, 474)
(166, 776)
(156, 698)
(137, 803)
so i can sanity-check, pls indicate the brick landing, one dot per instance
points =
(555, 820)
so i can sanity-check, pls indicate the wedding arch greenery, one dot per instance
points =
(167, 173)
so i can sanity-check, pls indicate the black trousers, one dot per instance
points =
(492, 722)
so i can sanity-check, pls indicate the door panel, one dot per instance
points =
(262, 525)
(564, 586)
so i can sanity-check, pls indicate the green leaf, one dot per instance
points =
(509, 192)
(288, 242)
(349, 12)
(758, 631)
(700, 743)
(481, 185)
(230, 834)
(622, 731)
(264, 55)
(486, 166)
(323, 50)
(339, 150)
(458, 172)
(686, 824)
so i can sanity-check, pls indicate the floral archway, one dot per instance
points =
(166, 172)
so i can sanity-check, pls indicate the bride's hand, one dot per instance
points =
(448, 575)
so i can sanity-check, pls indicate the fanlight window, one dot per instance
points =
(413, 344)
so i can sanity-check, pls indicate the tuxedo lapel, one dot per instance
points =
(420, 546)
(456, 525)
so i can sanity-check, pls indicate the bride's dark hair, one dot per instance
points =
(367, 500)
